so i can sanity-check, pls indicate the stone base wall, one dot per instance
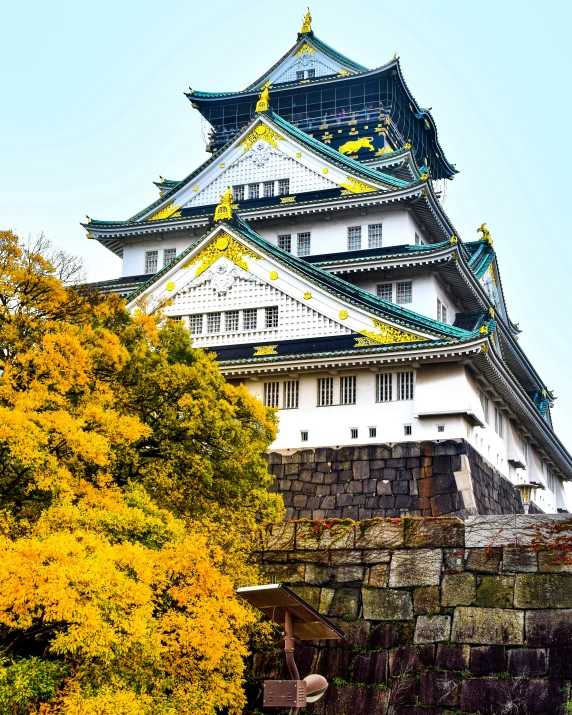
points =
(439, 616)
(418, 478)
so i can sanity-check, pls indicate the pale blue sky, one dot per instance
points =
(93, 111)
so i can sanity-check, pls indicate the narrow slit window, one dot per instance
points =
(439, 309)
(417, 240)
(373, 431)
(440, 428)
(374, 235)
(485, 405)
(291, 394)
(271, 317)
(348, 390)
(444, 313)
(353, 432)
(304, 435)
(271, 394)
(407, 430)
(285, 242)
(325, 391)
(354, 238)
(383, 387)
(151, 261)
(405, 385)
(168, 255)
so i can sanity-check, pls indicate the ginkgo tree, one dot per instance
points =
(131, 482)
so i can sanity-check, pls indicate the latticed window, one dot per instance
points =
(291, 394)
(385, 291)
(325, 391)
(444, 313)
(253, 191)
(405, 385)
(407, 430)
(348, 390)
(268, 189)
(231, 321)
(354, 238)
(213, 323)
(439, 309)
(151, 261)
(353, 432)
(499, 423)
(196, 324)
(285, 242)
(403, 292)
(304, 244)
(271, 317)
(383, 387)
(304, 435)
(300, 75)
(283, 187)
(168, 255)
(249, 319)
(271, 394)
(417, 240)
(374, 235)
(484, 404)
(238, 192)
(311, 74)
(373, 431)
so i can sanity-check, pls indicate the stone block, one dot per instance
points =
(432, 629)
(370, 668)
(426, 599)
(442, 689)
(278, 537)
(352, 700)
(360, 469)
(548, 628)
(529, 662)
(378, 575)
(404, 691)
(488, 660)
(454, 560)
(326, 598)
(356, 634)
(347, 573)
(390, 635)
(416, 567)
(543, 591)
(560, 662)
(317, 574)
(310, 594)
(434, 533)
(333, 663)
(286, 573)
(496, 592)
(386, 604)
(532, 529)
(554, 561)
(410, 659)
(484, 560)
(442, 505)
(453, 656)
(345, 603)
(376, 556)
(526, 697)
(349, 556)
(380, 534)
(311, 536)
(489, 531)
(488, 626)
(519, 561)
(458, 589)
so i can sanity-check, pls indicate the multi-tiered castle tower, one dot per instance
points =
(311, 253)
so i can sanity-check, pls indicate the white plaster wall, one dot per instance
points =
(134, 253)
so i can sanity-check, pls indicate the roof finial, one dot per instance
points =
(307, 24)
(224, 209)
(486, 233)
(264, 99)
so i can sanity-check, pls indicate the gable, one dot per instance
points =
(305, 57)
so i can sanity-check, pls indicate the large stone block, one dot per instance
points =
(404, 691)
(410, 659)
(529, 662)
(560, 662)
(347, 573)
(548, 628)
(488, 626)
(278, 537)
(333, 663)
(434, 533)
(311, 536)
(484, 560)
(380, 534)
(317, 574)
(310, 594)
(386, 604)
(525, 697)
(370, 668)
(458, 589)
(543, 591)
(426, 599)
(519, 560)
(432, 629)
(490, 531)
(416, 567)
(488, 660)
(554, 561)
(286, 573)
(378, 575)
(496, 592)
(352, 700)
(356, 634)
(345, 603)
(453, 656)
(442, 689)
(391, 635)
(376, 556)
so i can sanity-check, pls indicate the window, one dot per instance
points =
(383, 387)
(524, 447)
(283, 187)
(213, 323)
(385, 291)
(196, 324)
(373, 431)
(374, 235)
(300, 75)
(354, 238)
(441, 312)
(405, 385)
(407, 429)
(444, 313)
(168, 255)
(485, 405)
(311, 74)
(151, 261)
(403, 292)
(440, 428)
(271, 392)
(304, 436)
(271, 317)
(348, 390)
(238, 192)
(499, 423)
(253, 191)
(268, 189)
(291, 393)
(231, 321)
(249, 319)
(417, 240)
(304, 244)
(325, 391)
(549, 478)
(353, 433)
(285, 242)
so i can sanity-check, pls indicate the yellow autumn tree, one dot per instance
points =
(131, 479)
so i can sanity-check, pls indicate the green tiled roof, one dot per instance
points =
(481, 255)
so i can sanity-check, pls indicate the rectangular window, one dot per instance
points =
(499, 423)
(253, 191)
(417, 240)
(348, 390)
(300, 75)
(405, 385)
(353, 433)
(304, 435)
(439, 309)
(271, 393)
(291, 394)
(403, 292)
(440, 428)
(231, 321)
(271, 317)
(268, 188)
(354, 238)
(325, 391)
(249, 319)
(304, 244)
(168, 255)
(524, 446)
(385, 291)
(283, 187)
(196, 324)
(485, 405)
(285, 242)
(444, 313)
(373, 431)
(374, 235)
(151, 261)
(407, 430)
(213, 323)
(238, 192)
(383, 387)
(311, 74)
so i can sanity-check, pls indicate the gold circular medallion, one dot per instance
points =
(307, 295)
(273, 275)
(325, 170)
(222, 243)
(195, 188)
(343, 314)
(298, 155)
(170, 285)
(260, 129)
(222, 165)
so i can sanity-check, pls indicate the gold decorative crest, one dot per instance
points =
(261, 131)
(305, 48)
(343, 314)
(307, 24)
(307, 295)
(265, 350)
(486, 233)
(168, 211)
(170, 286)
(387, 335)
(273, 275)
(357, 187)
(223, 245)
(264, 99)
(343, 72)
(224, 209)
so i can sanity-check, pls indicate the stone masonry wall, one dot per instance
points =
(417, 478)
(439, 616)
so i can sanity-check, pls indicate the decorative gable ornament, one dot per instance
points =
(222, 276)
(223, 244)
(224, 209)
(387, 335)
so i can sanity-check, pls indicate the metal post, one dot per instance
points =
(289, 651)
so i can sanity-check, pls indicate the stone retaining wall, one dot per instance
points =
(439, 616)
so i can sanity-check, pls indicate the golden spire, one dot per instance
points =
(486, 233)
(264, 99)
(307, 24)
(224, 209)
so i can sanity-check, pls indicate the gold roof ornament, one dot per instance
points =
(224, 209)
(307, 24)
(264, 99)
(486, 233)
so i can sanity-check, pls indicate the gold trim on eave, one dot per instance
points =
(357, 187)
(168, 211)
(265, 350)
(387, 335)
(223, 245)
